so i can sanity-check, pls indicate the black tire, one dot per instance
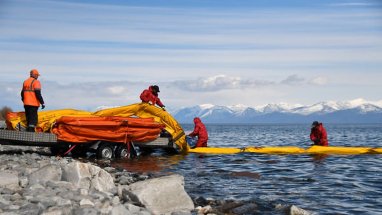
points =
(121, 151)
(105, 151)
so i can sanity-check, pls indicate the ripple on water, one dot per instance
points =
(325, 184)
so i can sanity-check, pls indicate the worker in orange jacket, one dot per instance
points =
(32, 99)
(150, 96)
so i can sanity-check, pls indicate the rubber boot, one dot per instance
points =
(31, 129)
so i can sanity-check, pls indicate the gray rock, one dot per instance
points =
(16, 197)
(14, 207)
(294, 210)
(30, 209)
(120, 189)
(60, 185)
(162, 195)
(245, 209)
(87, 176)
(181, 213)
(61, 201)
(105, 207)
(85, 211)
(5, 190)
(120, 210)
(4, 201)
(46, 173)
(23, 181)
(115, 201)
(204, 210)
(58, 211)
(44, 201)
(86, 203)
(34, 187)
(133, 208)
(9, 180)
(84, 192)
(9, 213)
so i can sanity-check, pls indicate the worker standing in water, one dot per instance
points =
(318, 134)
(32, 99)
(150, 96)
(201, 132)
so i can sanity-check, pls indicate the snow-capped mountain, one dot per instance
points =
(354, 111)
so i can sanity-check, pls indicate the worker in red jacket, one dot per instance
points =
(32, 99)
(201, 132)
(318, 134)
(150, 96)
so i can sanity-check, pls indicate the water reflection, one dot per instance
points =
(148, 163)
(319, 158)
(325, 184)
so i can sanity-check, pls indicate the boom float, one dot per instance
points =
(289, 150)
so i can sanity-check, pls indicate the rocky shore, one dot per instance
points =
(34, 182)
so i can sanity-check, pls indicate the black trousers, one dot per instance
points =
(32, 117)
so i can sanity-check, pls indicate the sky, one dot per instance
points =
(93, 53)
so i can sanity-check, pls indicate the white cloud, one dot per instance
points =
(219, 83)
(293, 80)
(319, 80)
(116, 90)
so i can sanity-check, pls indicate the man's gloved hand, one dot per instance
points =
(42, 106)
(163, 108)
(150, 103)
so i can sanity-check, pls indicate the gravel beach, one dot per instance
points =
(32, 181)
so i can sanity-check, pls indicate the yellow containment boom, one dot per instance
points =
(289, 150)
(46, 119)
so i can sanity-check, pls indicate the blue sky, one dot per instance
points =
(224, 52)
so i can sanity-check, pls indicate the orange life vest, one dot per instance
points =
(29, 87)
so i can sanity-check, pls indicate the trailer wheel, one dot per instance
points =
(121, 152)
(105, 151)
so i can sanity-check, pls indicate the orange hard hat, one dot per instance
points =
(35, 72)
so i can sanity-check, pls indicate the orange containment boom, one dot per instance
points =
(47, 120)
(113, 129)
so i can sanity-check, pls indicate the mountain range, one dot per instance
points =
(354, 111)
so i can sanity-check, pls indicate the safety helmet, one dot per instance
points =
(34, 72)
(314, 124)
(156, 88)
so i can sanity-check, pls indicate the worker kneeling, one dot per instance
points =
(199, 135)
(318, 134)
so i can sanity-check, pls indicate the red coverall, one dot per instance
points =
(148, 95)
(200, 131)
(318, 135)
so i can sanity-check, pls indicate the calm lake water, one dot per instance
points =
(333, 184)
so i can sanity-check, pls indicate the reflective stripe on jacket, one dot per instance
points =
(28, 92)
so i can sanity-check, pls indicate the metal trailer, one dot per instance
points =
(103, 149)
